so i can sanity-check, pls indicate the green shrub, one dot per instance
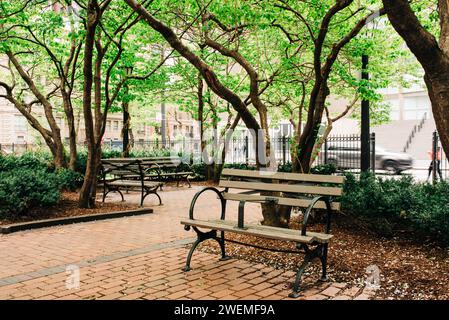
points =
(319, 169)
(28, 160)
(389, 204)
(242, 166)
(286, 167)
(324, 169)
(430, 212)
(199, 171)
(381, 202)
(69, 180)
(24, 188)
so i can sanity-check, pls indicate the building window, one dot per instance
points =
(115, 125)
(20, 123)
(108, 125)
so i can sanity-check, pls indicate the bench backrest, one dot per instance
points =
(148, 162)
(122, 168)
(164, 163)
(291, 189)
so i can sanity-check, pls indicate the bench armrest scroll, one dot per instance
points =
(197, 195)
(327, 200)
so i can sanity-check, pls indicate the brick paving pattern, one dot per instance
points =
(141, 258)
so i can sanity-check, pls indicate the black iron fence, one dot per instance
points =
(343, 150)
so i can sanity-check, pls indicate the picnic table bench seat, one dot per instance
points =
(167, 168)
(119, 174)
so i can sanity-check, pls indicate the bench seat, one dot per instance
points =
(134, 183)
(126, 173)
(260, 231)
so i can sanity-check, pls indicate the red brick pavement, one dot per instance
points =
(141, 258)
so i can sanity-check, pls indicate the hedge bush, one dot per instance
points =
(30, 181)
(69, 180)
(24, 188)
(391, 204)
(29, 160)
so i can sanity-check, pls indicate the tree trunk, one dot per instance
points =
(311, 129)
(68, 109)
(131, 138)
(433, 56)
(52, 137)
(276, 215)
(87, 193)
(320, 142)
(438, 88)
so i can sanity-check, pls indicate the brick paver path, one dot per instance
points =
(141, 258)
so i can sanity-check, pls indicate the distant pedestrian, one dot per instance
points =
(437, 163)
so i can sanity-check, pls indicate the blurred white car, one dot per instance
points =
(348, 157)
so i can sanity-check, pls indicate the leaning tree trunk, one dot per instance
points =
(438, 88)
(431, 54)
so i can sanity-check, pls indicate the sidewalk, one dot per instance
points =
(141, 258)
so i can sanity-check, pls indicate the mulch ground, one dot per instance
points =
(410, 267)
(68, 207)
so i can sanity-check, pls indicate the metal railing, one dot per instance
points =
(340, 150)
(416, 129)
(345, 152)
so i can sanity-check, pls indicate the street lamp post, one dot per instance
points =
(365, 123)
(126, 118)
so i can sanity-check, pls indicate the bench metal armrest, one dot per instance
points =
(327, 200)
(154, 168)
(197, 195)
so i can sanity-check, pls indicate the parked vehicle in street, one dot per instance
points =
(348, 157)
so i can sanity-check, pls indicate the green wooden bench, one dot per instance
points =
(282, 189)
(167, 169)
(126, 174)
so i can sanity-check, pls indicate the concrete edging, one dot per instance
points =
(70, 220)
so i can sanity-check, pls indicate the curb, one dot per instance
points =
(70, 220)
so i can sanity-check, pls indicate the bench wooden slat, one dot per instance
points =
(329, 191)
(260, 231)
(134, 183)
(175, 173)
(321, 178)
(321, 236)
(303, 203)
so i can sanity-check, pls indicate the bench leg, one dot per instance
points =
(319, 252)
(113, 190)
(202, 236)
(189, 256)
(301, 269)
(148, 193)
(160, 200)
(323, 260)
(221, 242)
(188, 181)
